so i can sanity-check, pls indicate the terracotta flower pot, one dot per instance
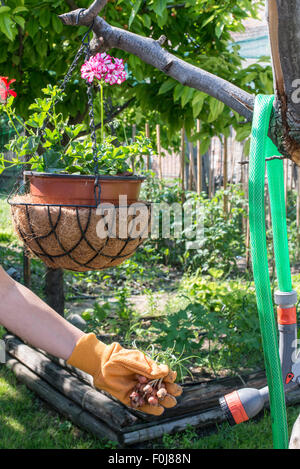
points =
(66, 189)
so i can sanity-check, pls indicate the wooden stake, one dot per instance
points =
(159, 150)
(133, 138)
(291, 175)
(26, 268)
(147, 133)
(286, 178)
(26, 257)
(182, 162)
(199, 161)
(192, 179)
(54, 289)
(211, 170)
(298, 211)
(225, 175)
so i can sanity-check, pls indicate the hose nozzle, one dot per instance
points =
(240, 406)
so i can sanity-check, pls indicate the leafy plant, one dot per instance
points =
(176, 361)
(223, 237)
(117, 317)
(180, 330)
(61, 148)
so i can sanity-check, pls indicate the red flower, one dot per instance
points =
(5, 90)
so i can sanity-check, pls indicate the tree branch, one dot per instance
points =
(82, 16)
(150, 51)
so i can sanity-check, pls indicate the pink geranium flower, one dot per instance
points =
(90, 70)
(104, 67)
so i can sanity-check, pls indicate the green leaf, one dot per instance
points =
(159, 6)
(7, 26)
(216, 108)
(134, 11)
(219, 29)
(19, 10)
(20, 21)
(186, 95)
(44, 18)
(4, 9)
(57, 24)
(208, 20)
(179, 89)
(41, 47)
(147, 20)
(167, 86)
(204, 144)
(32, 27)
(197, 103)
(243, 132)
(162, 19)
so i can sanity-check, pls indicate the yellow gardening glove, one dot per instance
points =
(114, 370)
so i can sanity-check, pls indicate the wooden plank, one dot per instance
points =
(206, 395)
(198, 406)
(202, 419)
(112, 413)
(138, 433)
(196, 396)
(61, 404)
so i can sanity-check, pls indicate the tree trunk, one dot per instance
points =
(284, 24)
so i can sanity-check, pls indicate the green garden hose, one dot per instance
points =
(262, 147)
(278, 210)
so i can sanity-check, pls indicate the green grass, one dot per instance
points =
(27, 423)
(256, 434)
(6, 235)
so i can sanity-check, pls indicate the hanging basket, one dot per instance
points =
(77, 222)
(79, 236)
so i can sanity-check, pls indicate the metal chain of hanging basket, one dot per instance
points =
(84, 49)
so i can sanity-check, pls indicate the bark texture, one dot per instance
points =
(284, 26)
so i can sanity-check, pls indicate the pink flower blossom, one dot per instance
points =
(104, 67)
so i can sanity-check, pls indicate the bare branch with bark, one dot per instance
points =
(285, 44)
(151, 51)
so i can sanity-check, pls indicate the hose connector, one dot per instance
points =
(240, 406)
(285, 298)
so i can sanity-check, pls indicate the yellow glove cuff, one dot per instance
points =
(87, 354)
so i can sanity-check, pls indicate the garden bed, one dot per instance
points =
(71, 393)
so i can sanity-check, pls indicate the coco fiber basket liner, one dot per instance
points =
(80, 238)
